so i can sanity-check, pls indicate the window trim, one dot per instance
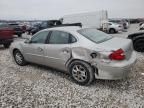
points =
(69, 40)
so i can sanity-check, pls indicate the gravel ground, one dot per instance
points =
(34, 86)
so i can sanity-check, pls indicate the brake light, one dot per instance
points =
(117, 55)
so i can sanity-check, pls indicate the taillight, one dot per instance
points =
(117, 55)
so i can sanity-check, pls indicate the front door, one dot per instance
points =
(34, 51)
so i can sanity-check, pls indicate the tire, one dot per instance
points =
(19, 59)
(112, 31)
(29, 33)
(6, 45)
(75, 69)
(141, 29)
(139, 45)
(19, 35)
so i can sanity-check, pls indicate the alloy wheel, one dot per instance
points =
(79, 73)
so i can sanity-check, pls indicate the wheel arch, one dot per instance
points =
(112, 29)
(95, 69)
(15, 49)
(75, 59)
(137, 38)
(135, 35)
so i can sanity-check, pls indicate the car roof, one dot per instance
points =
(65, 28)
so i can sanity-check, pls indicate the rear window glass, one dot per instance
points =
(94, 35)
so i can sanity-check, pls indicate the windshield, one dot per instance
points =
(94, 35)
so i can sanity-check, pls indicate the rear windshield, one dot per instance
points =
(94, 35)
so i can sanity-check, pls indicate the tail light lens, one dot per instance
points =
(117, 55)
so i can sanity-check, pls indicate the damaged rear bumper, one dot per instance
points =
(114, 71)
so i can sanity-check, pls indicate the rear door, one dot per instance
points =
(58, 49)
(34, 51)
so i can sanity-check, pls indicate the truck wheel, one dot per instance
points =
(7, 45)
(81, 72)
(139, 45)
(29, 33)
(19, 59)
(112, 31)
(19, 35)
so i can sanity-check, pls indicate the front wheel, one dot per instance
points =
(81, 72)
(19, 35)
(112, 31)
(19, 59)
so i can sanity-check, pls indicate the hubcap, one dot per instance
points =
(79, 73)
(18, 58)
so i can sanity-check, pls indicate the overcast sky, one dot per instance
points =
(48, 9)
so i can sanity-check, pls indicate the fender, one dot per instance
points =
(131, 36)
(79, 53)
(138, 37)
(16, 46)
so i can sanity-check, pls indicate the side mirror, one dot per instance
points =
(27, 41)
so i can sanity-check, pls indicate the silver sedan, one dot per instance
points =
(85, 53)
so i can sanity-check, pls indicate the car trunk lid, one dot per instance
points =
(118, 43)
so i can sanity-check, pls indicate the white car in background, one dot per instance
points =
(114, 27)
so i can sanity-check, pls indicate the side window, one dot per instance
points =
(40, 37)
(72, 39)
(109, 23)
(59, 37)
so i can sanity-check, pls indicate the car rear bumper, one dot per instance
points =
(119, 29)
(116, 71)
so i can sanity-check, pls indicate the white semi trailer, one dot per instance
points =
(90, 19)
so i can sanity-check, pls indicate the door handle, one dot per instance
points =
(66, 51)
(40, 49)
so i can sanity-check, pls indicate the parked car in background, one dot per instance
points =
(44, 25)
(114, 27)
(138, 41)
(17, 29)
(85, 53)
(33, 29)
(122, 22)
(23, 27)
(6, 35)
(141, 26)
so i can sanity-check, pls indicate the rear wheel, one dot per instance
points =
(19, 59)
(112, 31)
(81, 72)
(19, 35)
(7, 45)
(139, 45)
